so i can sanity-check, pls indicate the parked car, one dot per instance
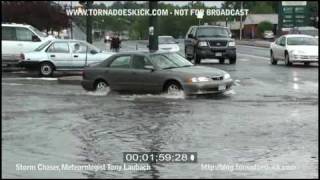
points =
(17, 39)
(168, 43)
(268, 35)
(294, 48)
(210, 42)
(306, 30)
(154, 72)
(58, 54)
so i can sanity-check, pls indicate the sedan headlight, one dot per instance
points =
(297, 52)
(202, 43)
(226, 76)
(199, 79)
(232, 43)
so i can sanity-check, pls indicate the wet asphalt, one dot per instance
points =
(269, 118)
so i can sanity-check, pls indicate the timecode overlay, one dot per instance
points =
(160, 157)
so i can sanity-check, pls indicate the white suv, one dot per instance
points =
(17, 39)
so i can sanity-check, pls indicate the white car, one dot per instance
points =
(63, 55)
(17, 39)
(168, 43)
(294, 48)
(268, 35)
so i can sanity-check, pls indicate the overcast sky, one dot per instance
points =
(180, 3)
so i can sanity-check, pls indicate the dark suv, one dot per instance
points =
(210, 42)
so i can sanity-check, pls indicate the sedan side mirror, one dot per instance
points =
(149, 67)
(190, 36)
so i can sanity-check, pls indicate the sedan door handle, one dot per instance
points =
(52, 55)
(75, 56)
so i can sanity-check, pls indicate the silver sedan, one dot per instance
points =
(154, 72)
(62, 55)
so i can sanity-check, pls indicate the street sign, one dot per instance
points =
(292, 14)
(294, 3)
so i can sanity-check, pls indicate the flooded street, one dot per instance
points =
(269, 118)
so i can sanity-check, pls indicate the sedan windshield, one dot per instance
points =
(166, 40)
(169, 61)
(212, 32)
(296, 41)
(43, 45)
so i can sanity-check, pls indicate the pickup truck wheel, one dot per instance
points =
(197, 59)
(46, 69)
(232, 60)
(221, 61)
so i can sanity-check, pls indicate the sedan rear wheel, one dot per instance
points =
(46, 69)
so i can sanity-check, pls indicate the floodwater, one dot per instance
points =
(270, 118)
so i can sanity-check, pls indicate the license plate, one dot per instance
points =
(220, 88)
(218, 54)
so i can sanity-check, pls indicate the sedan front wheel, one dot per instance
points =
(173, 88)
(272, 59)
(287, 60)
(103, 87)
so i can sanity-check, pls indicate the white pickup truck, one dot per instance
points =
(18, 39)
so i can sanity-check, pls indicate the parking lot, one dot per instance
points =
(270, 117)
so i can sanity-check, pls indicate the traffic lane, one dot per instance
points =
(265, 120)
(252, 50)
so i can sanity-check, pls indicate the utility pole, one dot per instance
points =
(71, 28)
(153, 27)
(89, 23)
(88, 5)
(240, 36)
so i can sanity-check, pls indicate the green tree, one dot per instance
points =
(264, 26)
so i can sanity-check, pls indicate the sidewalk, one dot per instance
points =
(254, 42)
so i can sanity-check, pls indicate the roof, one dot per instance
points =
(306, 28)
(233, 25)
(15, 25)
(67, 40)
(205, 26)
(297, 35)
(166, 36)
(258, 18)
